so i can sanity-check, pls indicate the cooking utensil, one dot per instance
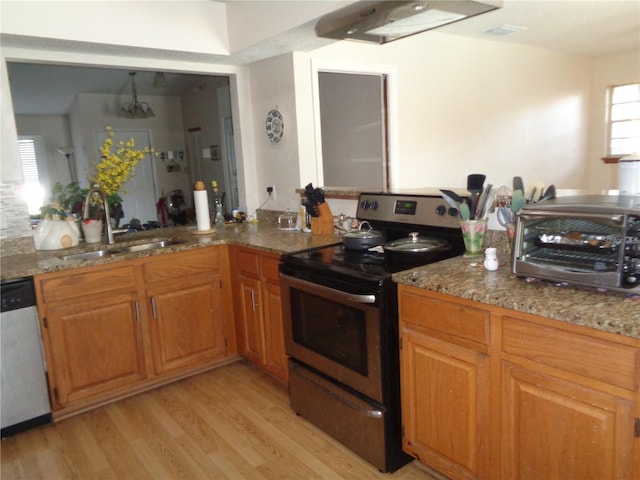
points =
(517, 197)
(504, 216)
(453, 195)
(363, 239)
(483, 202)
(518, 184)
(536, 192)
(517, 200)
(475, 185)
(549, 193)
(464, 211)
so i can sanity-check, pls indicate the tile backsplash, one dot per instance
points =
(14, 216)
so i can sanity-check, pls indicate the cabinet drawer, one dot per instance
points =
(270, 268)
(595, 358)
(173, 266)
(73, 285)
(450, 318)
(248, 262)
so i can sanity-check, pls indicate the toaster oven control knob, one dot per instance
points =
(441, 210)
(453, 212)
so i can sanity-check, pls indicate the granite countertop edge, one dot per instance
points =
(459, 277)
(265, 237)
(463, 278)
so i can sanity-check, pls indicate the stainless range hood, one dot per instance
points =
(382, 22)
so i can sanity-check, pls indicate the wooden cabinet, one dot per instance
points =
(568, 403)
(115, 329)
(445, 385)
(259, 311)
(187, 322)
(492, 393)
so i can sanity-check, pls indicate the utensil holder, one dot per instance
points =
(322, 224)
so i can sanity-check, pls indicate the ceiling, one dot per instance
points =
(581, 27)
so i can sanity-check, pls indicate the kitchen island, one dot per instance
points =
(502, 377)
(462, 278)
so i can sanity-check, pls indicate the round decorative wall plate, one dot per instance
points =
(274, 126)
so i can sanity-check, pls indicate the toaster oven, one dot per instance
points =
(591, 240)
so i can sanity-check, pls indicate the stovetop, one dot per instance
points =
(395, 216)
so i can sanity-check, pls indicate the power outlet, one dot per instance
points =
(271, 190)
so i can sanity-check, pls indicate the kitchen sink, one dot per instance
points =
(90, 255)
(144, 247)
(115, 250)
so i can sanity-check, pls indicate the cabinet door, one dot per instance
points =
(251, 334)
(554, 428)
(275, 356)
(445, 405)
(187, 325)
(96, 347)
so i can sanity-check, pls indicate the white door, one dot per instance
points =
(139, 194)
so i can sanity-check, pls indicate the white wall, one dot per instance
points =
(473, 106)
(272, 86)
(183, 26)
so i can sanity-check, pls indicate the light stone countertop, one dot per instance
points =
(463, 278)
(609, 312)
(24, 261)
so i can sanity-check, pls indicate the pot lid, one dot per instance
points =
(362, 234)
(415, 244)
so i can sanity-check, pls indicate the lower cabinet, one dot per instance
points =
(492, 393)
(258, 310)
(187, 326)
(115, 329)
(96, 346)
(445, 387)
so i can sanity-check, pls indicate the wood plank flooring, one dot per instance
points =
(230, 423)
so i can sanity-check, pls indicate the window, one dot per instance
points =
(624, 119)
(32, 190)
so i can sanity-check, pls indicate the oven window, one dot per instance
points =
(329, 328)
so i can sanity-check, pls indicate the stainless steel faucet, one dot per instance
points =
(105, 200)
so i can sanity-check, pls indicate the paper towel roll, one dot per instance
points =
(202, 209)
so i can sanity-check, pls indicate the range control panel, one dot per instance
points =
(427, 210)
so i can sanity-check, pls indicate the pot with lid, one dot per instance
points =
(415, 248)
(363, 239)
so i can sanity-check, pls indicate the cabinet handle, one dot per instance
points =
(254, 304)
(137, 313)
(153, 307)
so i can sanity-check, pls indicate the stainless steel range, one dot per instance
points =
(341, 325)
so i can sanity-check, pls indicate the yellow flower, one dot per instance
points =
(116, 168)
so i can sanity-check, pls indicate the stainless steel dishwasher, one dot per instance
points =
(24, 397)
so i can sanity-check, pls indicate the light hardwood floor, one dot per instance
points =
(230, 423)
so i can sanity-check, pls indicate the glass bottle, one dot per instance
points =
(219, 219)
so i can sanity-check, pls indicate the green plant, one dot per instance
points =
(70, 196)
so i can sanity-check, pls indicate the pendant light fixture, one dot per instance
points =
(160, 81)
(135, 109)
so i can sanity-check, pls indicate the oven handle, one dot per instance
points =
(346, 296)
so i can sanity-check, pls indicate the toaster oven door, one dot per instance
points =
(585, 249)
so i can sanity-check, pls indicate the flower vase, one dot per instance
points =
(92, 230)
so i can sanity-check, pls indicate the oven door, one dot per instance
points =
(580, 248)
(334, 332)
